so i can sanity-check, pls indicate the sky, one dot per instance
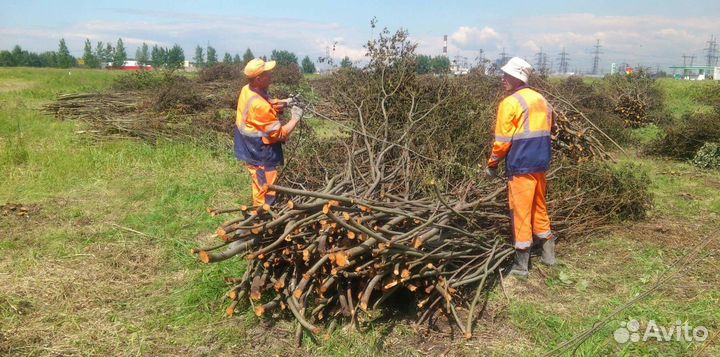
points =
(651, 33)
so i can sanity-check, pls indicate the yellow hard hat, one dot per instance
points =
(257, 66)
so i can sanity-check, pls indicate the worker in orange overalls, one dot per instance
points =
(259, 134)
(522, 138)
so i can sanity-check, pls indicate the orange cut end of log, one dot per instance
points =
(297, 293)
(346, 216)
(411, 287)
(255, 295)
(230, 310)
(279, 285)
(405, 273)
(390, 284)
(259, 310)
(326, 209)
(233, 295)
(221, 232)
(417, 243)
(363, 305)
(351, 235)
(341, 259)
(204, 257)
(291, 204)
(256, 230)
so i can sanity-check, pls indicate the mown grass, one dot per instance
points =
(102, 267)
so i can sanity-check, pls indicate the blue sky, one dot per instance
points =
(654, 33)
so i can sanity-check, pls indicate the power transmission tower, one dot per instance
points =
(685, 59)
(503, 57)
(564, 60)
(712, 56)
(541, 61)
(596, 58)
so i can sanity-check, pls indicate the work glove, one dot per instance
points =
(289, 101)
(491, 171)
(296, 112)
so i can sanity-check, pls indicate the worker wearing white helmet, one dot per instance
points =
(522, 138)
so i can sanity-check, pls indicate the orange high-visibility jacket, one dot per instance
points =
(258, 132)
(522, 133)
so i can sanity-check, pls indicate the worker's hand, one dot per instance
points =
(296, 112)
(289, 101)
(491, 171)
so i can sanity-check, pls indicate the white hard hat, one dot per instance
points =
(518, 68)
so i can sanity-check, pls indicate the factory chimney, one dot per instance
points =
(445, 45)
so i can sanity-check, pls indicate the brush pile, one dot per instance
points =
(397, 202)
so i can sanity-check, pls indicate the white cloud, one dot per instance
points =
(473, 37)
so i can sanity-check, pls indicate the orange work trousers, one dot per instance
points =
(262, 178)
(528, 210)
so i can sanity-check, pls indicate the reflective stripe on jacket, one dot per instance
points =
(258, 132)
(522, 133)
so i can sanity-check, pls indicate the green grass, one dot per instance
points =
(686, 97)
(77, 281)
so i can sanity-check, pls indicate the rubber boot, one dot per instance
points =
(548, 252)
(520, 265)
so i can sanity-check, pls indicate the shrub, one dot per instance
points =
(287, 74)
(221, 72)
(140, 80)
(683, 141)
(708, 157)
(180, 96)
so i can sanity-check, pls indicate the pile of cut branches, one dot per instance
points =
(150, 106)
(398, 203)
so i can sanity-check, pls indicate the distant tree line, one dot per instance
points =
(104, 54)
(425, 64)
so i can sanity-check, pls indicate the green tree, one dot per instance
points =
(283, 58)
(6, 59)
(236, 59)
(120, 56)
(108, 53)
(65, 60)
(247, 57)
(155, 59)
(423, 64)
(142, 55)
(19, 57)
(175, 57)
(211, 56)
(307, 65)
(49, 59)
(346, 62)
(227, 58)
(91, 61)
(199, 58)
(440, 65)
(100, 53)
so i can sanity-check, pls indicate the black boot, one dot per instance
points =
(520, 266)
(548, 252)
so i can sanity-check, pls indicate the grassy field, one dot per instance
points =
(100, 264)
